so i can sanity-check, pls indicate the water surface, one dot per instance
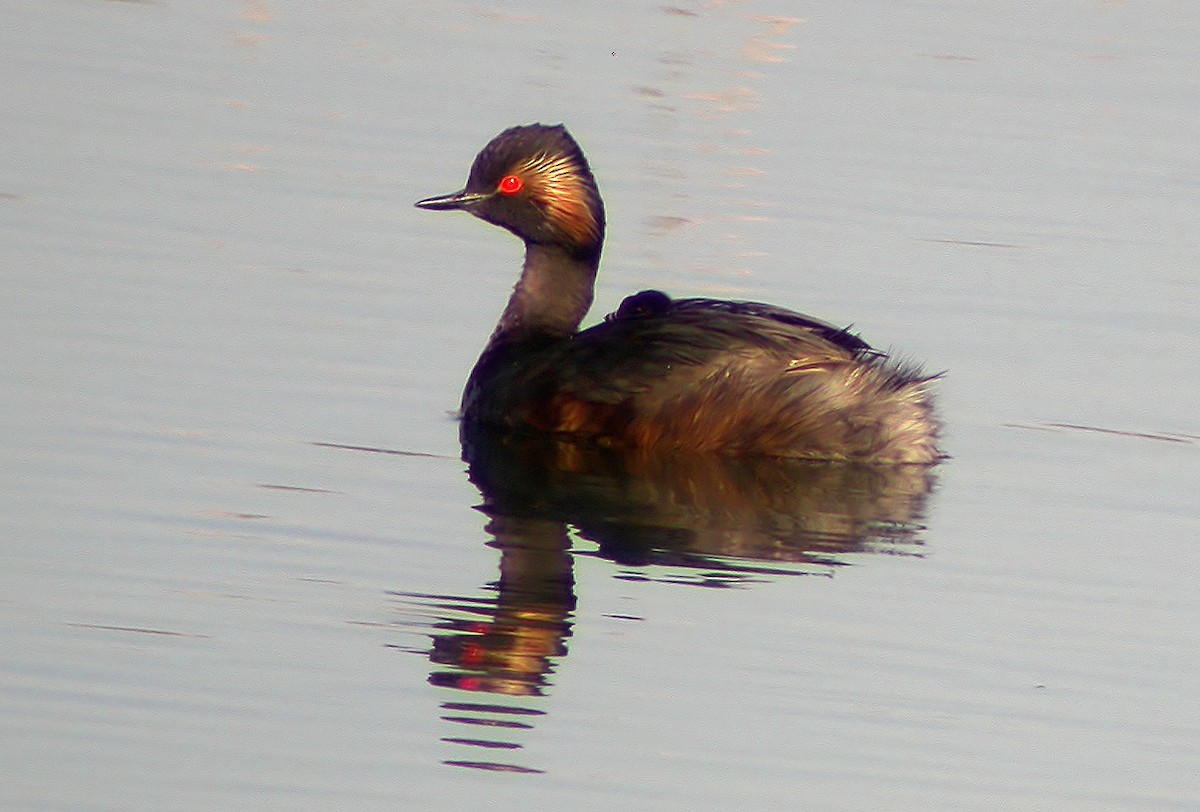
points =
(245, 565)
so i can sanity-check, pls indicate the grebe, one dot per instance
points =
(695, 374)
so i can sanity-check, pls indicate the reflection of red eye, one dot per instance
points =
(510, 185)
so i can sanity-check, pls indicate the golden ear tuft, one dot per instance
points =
(566, 191)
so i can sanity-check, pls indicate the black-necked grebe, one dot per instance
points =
(696, 374)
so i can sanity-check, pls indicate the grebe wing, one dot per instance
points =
(698, 374)
(651, 340)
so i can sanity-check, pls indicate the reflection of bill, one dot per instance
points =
(700, 519)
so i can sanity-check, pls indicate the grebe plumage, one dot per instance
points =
(695, 374)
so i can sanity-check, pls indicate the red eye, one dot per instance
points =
(510, 185)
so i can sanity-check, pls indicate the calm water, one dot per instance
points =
(245, 566)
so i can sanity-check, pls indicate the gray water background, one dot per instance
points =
(212, 266)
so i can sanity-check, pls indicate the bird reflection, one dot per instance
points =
(693, 519)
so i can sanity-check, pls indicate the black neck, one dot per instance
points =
(552, 296)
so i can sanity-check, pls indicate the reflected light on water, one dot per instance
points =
(698, 520)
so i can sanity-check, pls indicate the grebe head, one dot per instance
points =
(535, 182)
